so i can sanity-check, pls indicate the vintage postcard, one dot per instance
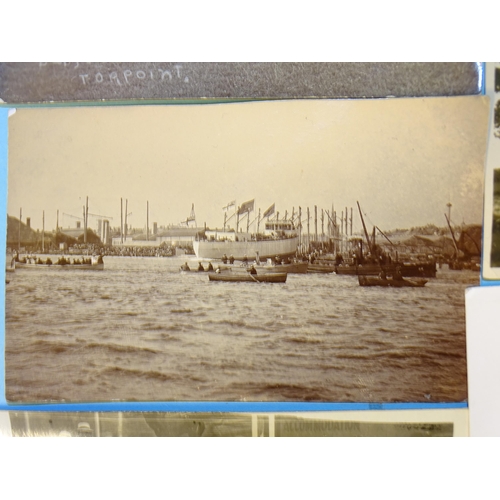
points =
(291, 251)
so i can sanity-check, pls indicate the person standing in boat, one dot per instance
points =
(257, 258)
(231, 259)
(224, 259)
(398, 275)
(339, 259)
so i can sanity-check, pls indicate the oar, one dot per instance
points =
(255, 279)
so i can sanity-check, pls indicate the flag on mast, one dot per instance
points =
(269, 211)
(230, 205)
(246, 207)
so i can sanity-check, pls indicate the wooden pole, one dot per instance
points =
(126, 222)
(300, 229)
(86, 221)
(258, 222)
(322, 227)
(84, 225)
(452, 234)
(121, 221)
(43, 231)
(19, 235)
(351, 221)
(147, 220)
(342, 245)
(315, 223)
(308, 232)
(364, 228)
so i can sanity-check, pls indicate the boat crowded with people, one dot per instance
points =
(94, 263)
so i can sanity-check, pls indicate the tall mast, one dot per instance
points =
(43, 231)
(315, 223)
(308, 232)
(121, 221)
(85, 219)
(452, 234)
(364, 227)
(300, 229)
(19, 235)
(147, 220)
(126, 215)
(84, 225)
(322, 227)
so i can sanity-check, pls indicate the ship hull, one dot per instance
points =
(427, 270)
(266, 249)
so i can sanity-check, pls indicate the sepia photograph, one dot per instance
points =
(278, 251)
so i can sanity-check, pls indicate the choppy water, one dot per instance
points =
(140, 330)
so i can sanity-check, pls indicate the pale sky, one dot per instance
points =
(402, 159)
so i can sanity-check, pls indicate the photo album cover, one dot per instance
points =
(294, 251)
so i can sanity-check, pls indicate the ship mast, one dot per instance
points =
(364, 228)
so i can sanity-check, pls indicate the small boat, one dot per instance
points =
(248, 278)
(290, 268)
(377, 281)
(321, 268)
(91, 263)
(67, 267)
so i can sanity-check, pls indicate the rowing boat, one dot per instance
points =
(377, 281)
(66, 267)
(248, 278)
(291, 268)
(321, 268)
